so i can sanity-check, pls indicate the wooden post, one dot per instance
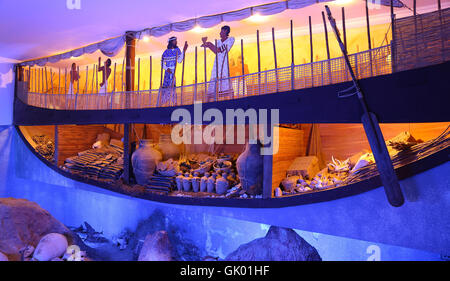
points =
(130, 60)
(368, 38)
(328, 47)
(51, 82)
(150, 84)
(35, 81)
(259, 62)
(443, 39)
(138, 84)
(311, 52)
(415, 8)
(126, 153)
(345, 39)
(393, 37)
(344, 29)
(46, 86)
(65, 87)
(217, 73)
(275, 59)
(243, 67)
(59, 80)
(97, 68)
(94, 69)
(292, 57)
(205, 72)
(86, 83)
(123, 82)
(158, 100)
(78, 86)
(113, 92)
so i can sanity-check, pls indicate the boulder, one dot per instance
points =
(24, 223)
(156, 247)
(279, 244)
(402, 141)
(305, 166)
(51, 246)
(3, 257)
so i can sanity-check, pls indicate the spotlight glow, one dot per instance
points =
(146, 39)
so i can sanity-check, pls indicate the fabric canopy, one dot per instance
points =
(112, 47)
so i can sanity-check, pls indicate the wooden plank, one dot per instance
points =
(291, 144)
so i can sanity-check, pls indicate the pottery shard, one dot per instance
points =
(156, 247)
(306, 166)
(24, 223)
(279, 244)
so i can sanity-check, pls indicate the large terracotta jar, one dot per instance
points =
(168, 148)
(144, 161)
(250, 169)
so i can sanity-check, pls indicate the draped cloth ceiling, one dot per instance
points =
(113, 46)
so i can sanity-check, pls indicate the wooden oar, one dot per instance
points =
(373, 132)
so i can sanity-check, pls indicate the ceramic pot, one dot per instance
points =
(250, 169)
(144, 161)
(168, 148)
(195, 183)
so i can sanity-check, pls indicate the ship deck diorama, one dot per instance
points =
(323, 153)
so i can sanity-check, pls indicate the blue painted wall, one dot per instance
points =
(6, 92)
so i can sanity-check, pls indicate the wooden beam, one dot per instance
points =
(56, 154)
(243, 67)
(195, 77)
(204, 61)
(130, 54)
(344, 29)
(259, 62)
(393, 37)
(328, 49)
(217, 72)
